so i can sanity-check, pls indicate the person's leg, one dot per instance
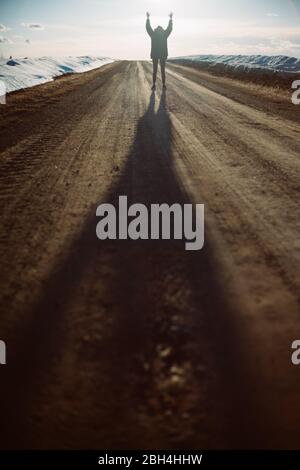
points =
(163, 71)
(155, 66)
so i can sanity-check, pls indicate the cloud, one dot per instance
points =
(33, 26)
(254, 46)
(3, 28)
(4, 40)
(273, 15)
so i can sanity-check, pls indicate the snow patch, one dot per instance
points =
(23, 73)
(245, 63)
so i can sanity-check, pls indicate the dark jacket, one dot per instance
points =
(159, 40)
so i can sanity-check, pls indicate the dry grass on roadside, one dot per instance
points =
(268, 85)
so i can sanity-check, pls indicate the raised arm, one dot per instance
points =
(170, 25)
(148, 25)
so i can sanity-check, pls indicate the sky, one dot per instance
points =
(116, 28)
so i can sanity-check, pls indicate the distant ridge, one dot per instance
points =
(278, 63)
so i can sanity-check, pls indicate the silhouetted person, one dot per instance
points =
(159, 48)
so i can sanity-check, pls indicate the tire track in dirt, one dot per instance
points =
(144, 345)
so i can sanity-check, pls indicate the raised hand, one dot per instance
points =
(148, 14)
(171, 15)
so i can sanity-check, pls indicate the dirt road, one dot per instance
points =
(142, 344)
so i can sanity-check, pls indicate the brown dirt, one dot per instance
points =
(142, 344)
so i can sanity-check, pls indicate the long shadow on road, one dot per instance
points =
(153, 356)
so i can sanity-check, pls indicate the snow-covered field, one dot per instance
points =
(24, 73)
(244, 63)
